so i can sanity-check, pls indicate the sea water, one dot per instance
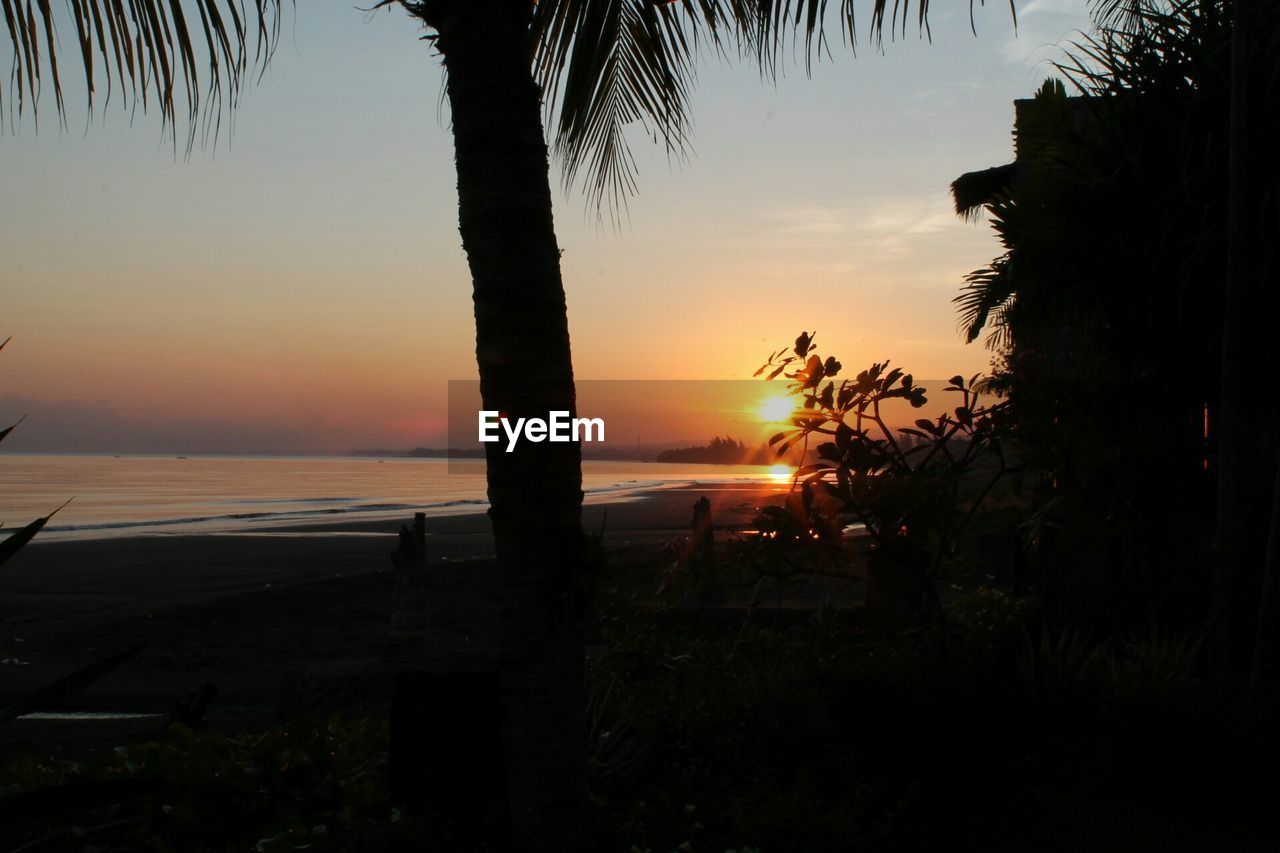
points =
(132, 495)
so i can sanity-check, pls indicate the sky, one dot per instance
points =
(300, 285)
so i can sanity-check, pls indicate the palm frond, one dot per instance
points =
(607, 67)
(149, 49)
(1140, 45)
(973, 191)
(987, 290)
(608, 64)
(1124, 15)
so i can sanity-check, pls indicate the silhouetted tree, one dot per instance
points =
(718, 451)
(1122, 325)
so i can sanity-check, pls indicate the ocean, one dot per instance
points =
(137, 495)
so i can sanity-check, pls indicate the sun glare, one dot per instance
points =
(781, 473)
(777, 409)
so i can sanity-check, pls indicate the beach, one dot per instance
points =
(282, 620)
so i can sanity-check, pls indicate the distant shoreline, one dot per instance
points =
(674, 453)
(656, 457)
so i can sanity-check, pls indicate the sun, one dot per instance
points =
(777, 410)
(781, 473)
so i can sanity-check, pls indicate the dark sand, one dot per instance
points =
(283, 620)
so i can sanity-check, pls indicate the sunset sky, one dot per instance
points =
(301, 285)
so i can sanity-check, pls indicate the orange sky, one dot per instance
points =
(301, 286)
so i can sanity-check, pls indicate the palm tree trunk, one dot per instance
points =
(522, 348)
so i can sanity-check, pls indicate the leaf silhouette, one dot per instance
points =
(16, 540)
(5, 432)
(68, 685)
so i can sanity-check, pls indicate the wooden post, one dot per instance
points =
(409, 601)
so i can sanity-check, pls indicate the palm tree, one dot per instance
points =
(1169, 88)
(603, 64)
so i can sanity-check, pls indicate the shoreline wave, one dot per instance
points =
(304, 510)
(156, 497)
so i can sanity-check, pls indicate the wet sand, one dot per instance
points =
(67, 585)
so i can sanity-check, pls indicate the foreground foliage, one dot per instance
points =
(913, 489)
(993, 734)
(816, 734)
(311, 785)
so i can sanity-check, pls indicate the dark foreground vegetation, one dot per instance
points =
(992, 733)
(786, 732)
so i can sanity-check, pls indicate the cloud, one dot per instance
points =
(1052, 7)
(815, 220)
(912, 216)
(1044, 26)
(876, 220)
